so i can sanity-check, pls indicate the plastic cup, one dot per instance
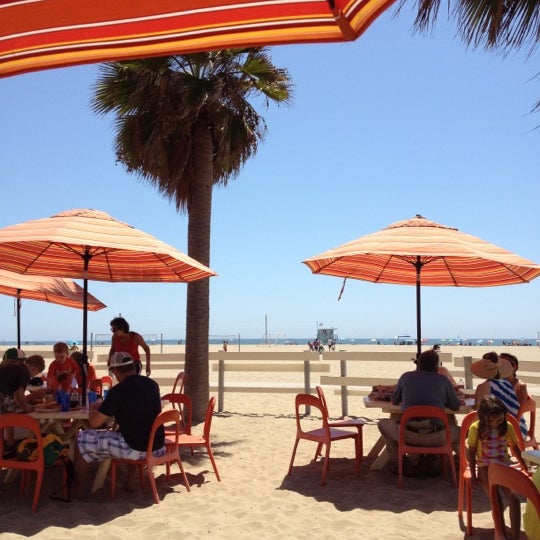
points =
(65, 399)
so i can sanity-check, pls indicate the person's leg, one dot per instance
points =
(389, 430)
(455, 432)
(87, 451)
(483, 480)
(81, 473)
(7, 405)
(515, 513)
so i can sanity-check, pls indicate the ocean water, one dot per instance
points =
(270, 340)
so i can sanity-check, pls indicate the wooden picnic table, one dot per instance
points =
(66, 424)
(378, 451)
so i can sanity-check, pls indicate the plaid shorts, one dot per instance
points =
(98, 445)
(7, 404)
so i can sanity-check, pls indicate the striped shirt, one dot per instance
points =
(503, 389)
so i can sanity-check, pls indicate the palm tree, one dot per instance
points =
(184, 124)
(496, 24)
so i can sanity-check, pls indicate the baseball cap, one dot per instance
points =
(14, 354)
(119, 359)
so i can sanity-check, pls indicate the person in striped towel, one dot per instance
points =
(496, 370)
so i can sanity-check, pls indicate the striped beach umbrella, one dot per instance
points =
(45, 289)
(90, 244)
(421, 252)
(45, 34)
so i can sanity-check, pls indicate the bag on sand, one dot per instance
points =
(54, 451)
(53, 448)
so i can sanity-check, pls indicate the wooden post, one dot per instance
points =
(344, 395)
(307, 382)
(467, 362)
(221, 384)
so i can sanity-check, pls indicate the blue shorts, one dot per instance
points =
(100, 444)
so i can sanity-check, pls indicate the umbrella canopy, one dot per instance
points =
(46, 289)
(421, 252)
(113, 251)
(90, 244)
(55, 33)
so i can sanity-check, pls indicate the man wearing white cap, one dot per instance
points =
(134, 403)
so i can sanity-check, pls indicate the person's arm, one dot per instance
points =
(140, 341)
(96, 418)
(522, 393)
(472, 466)
(36, 396)
(397, 395)
(444, 371)
(481, 390)
(452, 399)
(20, 400)
(52, 383)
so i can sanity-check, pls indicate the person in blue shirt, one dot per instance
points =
(424, 386)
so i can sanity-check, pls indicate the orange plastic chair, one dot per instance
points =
(465, 488)
(171, 455)
(517, 481)
(323, 435)
(529, 407)
(97, 386)
(424, 411)
(25, 422)
(179, 383)
(181, 402)
(193, 441)
(357, 423)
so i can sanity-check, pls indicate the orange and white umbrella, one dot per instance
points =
(54, 33)
(45, 289)
(421, 252)
(90, 244)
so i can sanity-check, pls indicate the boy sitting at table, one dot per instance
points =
(425, 386)
(62, 370)
(14, 379)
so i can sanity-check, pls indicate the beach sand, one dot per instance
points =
(252, 441)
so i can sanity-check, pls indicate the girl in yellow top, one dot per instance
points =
(489, 441)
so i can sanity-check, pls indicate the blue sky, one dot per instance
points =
(381, 129)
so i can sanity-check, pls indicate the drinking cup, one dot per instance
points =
(65, 399)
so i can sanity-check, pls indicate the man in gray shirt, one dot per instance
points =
(421, 387)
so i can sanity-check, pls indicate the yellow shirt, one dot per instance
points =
(531, 523)
(495, 448)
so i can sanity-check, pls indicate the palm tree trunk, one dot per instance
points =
(198, 292)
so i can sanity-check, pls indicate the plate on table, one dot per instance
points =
(43, 407)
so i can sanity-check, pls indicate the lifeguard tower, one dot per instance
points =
(325, 334)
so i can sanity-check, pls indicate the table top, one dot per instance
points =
(80, 413)
(389, 407)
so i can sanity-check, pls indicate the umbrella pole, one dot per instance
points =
(84, 366)
(18, 300)
(418, 265)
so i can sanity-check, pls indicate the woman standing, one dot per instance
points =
(123, 340)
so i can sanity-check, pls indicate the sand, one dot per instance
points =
(253, 441)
